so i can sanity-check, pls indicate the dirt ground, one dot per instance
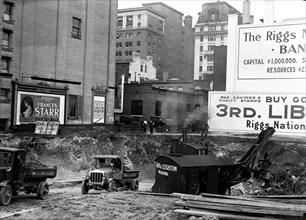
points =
(69, 203)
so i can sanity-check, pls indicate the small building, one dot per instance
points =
(191, 174)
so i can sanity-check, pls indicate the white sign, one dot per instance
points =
(272, 52)
(257, 111)
(99, 109)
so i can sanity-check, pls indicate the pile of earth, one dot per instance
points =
(73, 154)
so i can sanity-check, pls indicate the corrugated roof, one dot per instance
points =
(199, 160)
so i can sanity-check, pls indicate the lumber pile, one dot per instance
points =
(238, 208)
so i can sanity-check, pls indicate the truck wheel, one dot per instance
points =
(112, 186)
(43, 190)
(134, 185)
(85, 187)
(5, 195)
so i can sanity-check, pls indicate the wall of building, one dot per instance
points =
(44, 46)
(141, 69)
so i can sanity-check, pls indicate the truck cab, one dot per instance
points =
(16, 175)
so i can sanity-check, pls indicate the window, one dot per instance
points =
(170, 88)
(212, 17)
(138, 34)
(200, 68)
(145, 68)
(158, 108)
(5, 64)
(76, 28)
(136, 107)
(4, 94)
(222, 37)
(75, 107)
(201, 38)
(128, 53)
(118, 53)
(201, 58)
(180, 88)
(139, 24)
(161, 87)
(8, 11)
(119, 44)
(141, 68)
(120, 22)
(138, 43)
(210, 58)
(129, 35)
(210, 68)
(211, 48)
(119, 36)
(212, 38)
(201, 48)
(129, 44)
(6, 39)
(211, 28)
(129, 21)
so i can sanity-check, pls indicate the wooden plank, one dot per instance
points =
(293, 207)
(237, 208)
(219, 215)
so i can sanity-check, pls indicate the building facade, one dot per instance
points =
(140, 30)
(211, 30)
(57, 57)
(157, 30)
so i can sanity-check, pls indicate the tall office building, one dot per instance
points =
(58, 57)
(211, 30)
(140, 30)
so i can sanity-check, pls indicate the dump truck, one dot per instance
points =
(16, 174)
(110, 172)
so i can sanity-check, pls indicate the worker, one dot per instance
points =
(151, 126)
(127, 163)
(18, 165)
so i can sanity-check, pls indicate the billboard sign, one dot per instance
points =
(99, 109)
(272, 52)
(33, 107)
(257, 111)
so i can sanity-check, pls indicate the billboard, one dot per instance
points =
(272, 52)
(99, 109)
(257, 111)
(32, 107)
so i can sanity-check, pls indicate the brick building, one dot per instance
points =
(155, 99)
(60, 57)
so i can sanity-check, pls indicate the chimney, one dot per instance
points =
(174, 146)
(184, 134)
(246, 12)
(269, 12)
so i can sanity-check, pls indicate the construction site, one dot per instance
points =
(226, 185)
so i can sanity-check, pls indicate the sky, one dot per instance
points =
(283, 8)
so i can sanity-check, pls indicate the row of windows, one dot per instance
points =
(209, 68)
(213, 28)
(212, 37)
(209, 58)
(209, 48)
(179, 88)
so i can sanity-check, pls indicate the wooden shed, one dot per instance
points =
(191, 174)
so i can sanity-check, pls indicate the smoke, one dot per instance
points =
(199, 114)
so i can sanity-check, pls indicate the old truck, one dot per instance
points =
(109, 173)
(18, 175)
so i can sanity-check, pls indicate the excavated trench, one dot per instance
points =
(72, 153)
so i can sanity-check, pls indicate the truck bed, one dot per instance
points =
(40, 173)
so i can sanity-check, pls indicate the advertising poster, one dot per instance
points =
(99, 109)
(256, 111)
(33, 107)
(272, 52)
